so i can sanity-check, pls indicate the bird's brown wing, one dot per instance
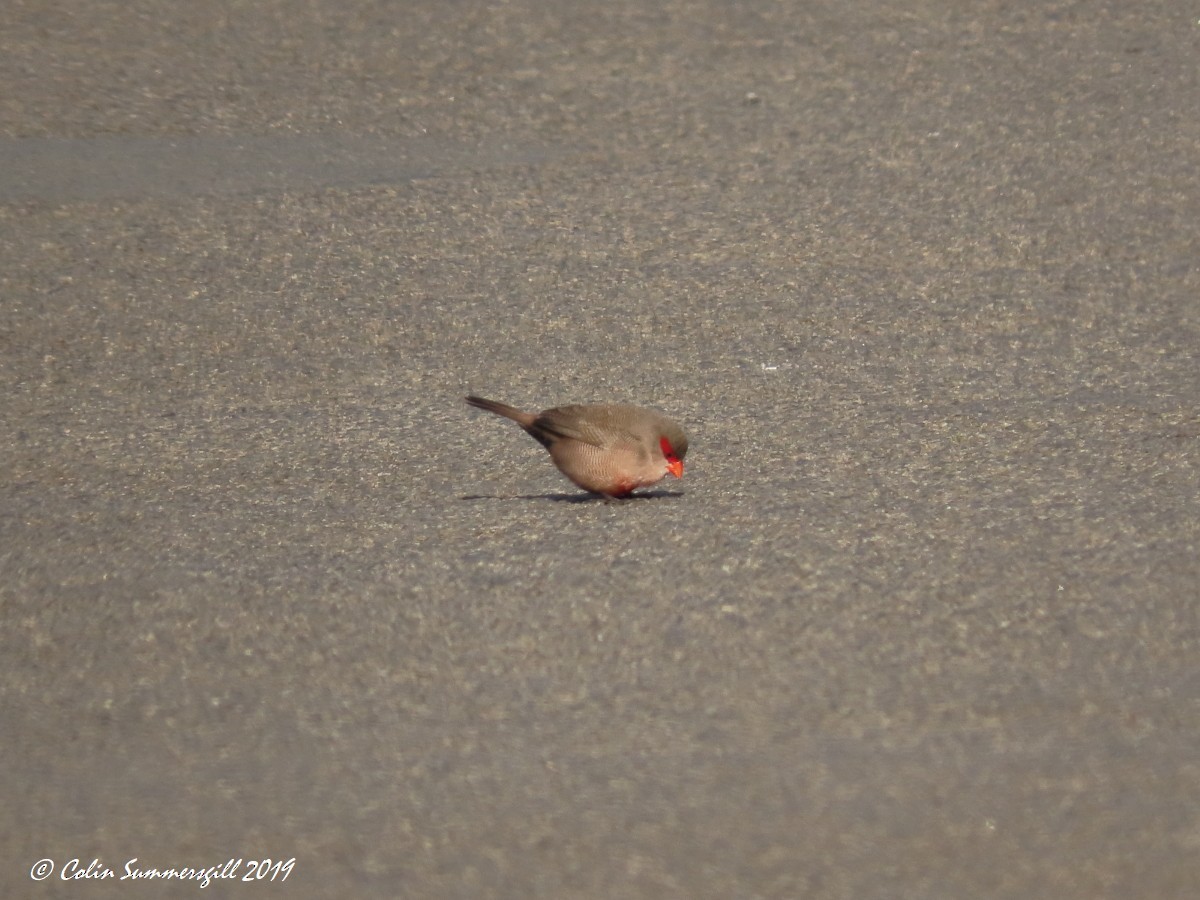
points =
(567, 422)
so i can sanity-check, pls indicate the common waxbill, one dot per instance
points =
(608, 449)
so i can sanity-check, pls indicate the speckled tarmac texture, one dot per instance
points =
(920, 280)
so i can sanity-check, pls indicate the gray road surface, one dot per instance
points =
(922, 280)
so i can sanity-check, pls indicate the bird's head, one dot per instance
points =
(674, 446)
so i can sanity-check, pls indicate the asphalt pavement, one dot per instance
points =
(921, 279)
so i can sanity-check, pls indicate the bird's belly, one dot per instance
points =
(615, 472)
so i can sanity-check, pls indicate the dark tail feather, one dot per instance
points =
(501, 409)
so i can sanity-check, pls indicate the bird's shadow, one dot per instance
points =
(578, 498)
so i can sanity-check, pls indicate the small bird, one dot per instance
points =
(608, 449)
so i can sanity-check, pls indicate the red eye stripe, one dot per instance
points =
(667, 449)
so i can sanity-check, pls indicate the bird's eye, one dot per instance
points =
(667, 449)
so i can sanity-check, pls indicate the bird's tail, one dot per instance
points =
(502, 409)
